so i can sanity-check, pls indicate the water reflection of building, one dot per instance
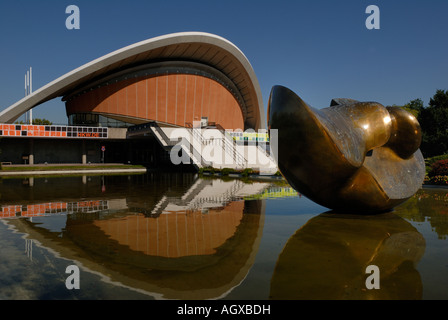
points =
(200, 242)
(209, 193)
(175, 234)
(51, 208)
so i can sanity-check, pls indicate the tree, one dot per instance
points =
(434, 123)
(37, 121)
(414, 107)
(42, 121)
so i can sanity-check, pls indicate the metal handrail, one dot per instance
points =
(227, 137)
(265, 152)
(236, 155)
(194, 152)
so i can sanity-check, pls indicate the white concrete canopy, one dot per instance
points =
(205, 48)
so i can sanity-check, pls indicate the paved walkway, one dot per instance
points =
(69, 168)
(64, 165)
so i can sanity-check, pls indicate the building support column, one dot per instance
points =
(84, 152)
(31, 152)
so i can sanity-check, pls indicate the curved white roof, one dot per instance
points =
(205, 48)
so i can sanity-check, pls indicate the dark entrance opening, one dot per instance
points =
(142, 150)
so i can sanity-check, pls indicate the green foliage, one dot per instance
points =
(37, 121)
(42, 122)
(414, 107)
(226, 171)
(430, 161)
(433, 120)
(434, 123)
(246, 172)
(210, 170)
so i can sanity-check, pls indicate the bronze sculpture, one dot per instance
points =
(353, 156)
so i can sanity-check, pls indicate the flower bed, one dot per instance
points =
(437, 180)
(437, 171)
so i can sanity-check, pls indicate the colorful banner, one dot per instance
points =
(52, 131)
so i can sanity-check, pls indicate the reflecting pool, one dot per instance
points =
(179, 236)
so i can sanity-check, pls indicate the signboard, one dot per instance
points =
(52, 131)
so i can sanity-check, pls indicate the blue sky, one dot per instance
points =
(320, 49)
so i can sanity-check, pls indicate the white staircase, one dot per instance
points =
(212, 147)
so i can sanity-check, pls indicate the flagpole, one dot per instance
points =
(28, 91)
(31, 91)
(27, 84)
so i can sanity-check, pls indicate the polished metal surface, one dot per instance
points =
(353, 156)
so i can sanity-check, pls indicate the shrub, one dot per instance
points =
(430, 161)
(210, 170)
(246, 172)
(439, 180)
(226, 171)
(439, 168)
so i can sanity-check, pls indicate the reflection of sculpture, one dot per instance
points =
(351, 156)
(327, 259)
